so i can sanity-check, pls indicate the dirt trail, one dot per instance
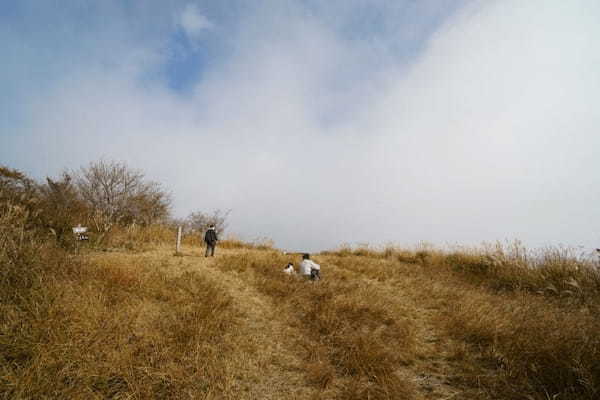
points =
(268, 367)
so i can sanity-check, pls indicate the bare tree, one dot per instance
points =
(199, 221)
(118, 194)
(149, 205)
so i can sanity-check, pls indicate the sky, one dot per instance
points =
(453, 122)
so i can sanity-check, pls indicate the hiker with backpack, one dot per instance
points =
(211, 239)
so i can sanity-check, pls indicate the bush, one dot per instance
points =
(61, 209)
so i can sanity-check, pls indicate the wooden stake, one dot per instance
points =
(178, 239)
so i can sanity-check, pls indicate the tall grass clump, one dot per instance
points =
(363, 250)
(541, 350)
(537, 319)
(18, 250)
(28, 270)
(553, 271)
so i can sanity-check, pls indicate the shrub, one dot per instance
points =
(61, 209)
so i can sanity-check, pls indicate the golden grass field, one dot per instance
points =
(143, 322)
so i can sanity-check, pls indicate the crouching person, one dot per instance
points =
(310, 269)
(289, 269)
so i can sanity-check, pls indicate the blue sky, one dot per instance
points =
(364, 121)
(49, 39)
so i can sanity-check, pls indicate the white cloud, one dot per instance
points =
(490, 134)
(193, 22)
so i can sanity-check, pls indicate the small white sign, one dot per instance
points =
(79, 229)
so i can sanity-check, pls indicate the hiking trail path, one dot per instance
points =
(268, 365)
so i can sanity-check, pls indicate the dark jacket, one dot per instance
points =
(210, 237)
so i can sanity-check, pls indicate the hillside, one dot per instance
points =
(380, 325)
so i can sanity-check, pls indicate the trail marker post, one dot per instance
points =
(80, 233)
(178, 240)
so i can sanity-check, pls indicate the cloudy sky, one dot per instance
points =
(322, 122)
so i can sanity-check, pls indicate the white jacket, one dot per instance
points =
(307, 265)
(289, 270)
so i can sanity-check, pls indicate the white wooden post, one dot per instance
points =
(178, 239)
(79, 233)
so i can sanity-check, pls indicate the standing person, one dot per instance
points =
(211, 239)
(310, 269)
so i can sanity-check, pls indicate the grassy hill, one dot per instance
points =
(138, 321)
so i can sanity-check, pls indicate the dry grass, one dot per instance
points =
(134, 237)
(70, 328)
(553, 272)
(355, 341)
(145, 238)
(515, 324)
(538, 349)
(491, 323)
